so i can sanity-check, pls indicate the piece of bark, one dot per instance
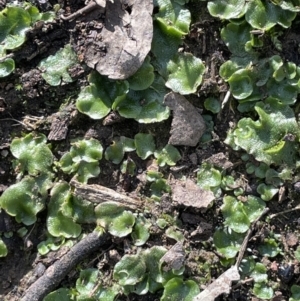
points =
(222, 285)
(99, 194)
(127, 38)
(59, 270)
(189, 194)
(187, 125)
(60, 122)
(94, 4)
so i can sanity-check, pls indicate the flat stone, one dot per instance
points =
(187, 125)
(189, 194)
(174, 258)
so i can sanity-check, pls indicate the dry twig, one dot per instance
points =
(58, 271)
(91, 6)
(99, 194)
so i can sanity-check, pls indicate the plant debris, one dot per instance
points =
(222, 285)
(56, 272)
(124, 41)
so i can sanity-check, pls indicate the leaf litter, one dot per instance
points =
(124, 41)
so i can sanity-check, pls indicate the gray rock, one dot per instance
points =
(189, 194)
(187, 125)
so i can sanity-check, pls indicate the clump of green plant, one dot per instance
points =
(273, 139)
(140, 232)
(258, 272)
(27, 197)
(168, 155)
(66, 212)
(158, 186)
(252, 77)
(269, 247)
(140, 274)
(209, 178)
(212, 104)
(97, 98)
(268, 178)
(249, 75)
(171, 24)
(259, 14)
(83, 159)
(174, 232)
(144, 272)
(53, 244)
(88, 287)
(143, 78)
(267, 192)
(141, 96)
(33, 155)
(185, 73)
(239, 215)
(295, 289)
(144, 145)
(128, 167)
(55, 67)
(104, 95)
(15, 21)
(227, 242)
(115, 152)
(114, 218)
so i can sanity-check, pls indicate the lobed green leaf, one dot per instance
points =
(24, 200)
(168, 155)
(225, 9)
(7, 67)
(265, 138)
(55, 67)
(173, 18)
(143, 78)
(32, 153)
(144, 144)
(177, 289)
(97, 99)
(3, 248)
(114, 218)
(228, 242)
(185, 73)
